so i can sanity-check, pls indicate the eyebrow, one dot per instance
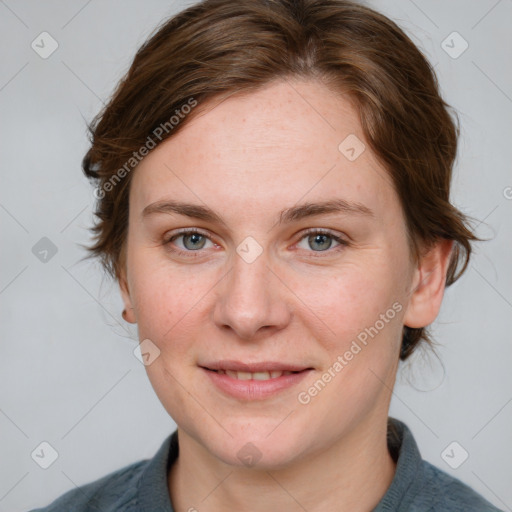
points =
(286, 216)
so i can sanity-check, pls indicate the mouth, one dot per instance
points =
(256, 371)
(262, 375)
(254, 381)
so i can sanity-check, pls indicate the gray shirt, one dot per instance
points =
(417, 486)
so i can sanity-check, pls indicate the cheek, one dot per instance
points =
(348, 300)
(167, 298)
(360, 333)
(360, 313)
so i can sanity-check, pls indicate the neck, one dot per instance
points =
(352, 475)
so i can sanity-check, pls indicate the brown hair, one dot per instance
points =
(222, 47)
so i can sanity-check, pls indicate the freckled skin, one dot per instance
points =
(247, 159)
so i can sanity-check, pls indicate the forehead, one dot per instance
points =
(277, 145)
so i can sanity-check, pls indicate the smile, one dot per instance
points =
(253, 376)
(254, 385)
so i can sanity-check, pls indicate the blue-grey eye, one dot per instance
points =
(321, 241)
(197, 241)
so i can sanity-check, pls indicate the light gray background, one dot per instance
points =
(68, 375)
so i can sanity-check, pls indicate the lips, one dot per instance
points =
(254, 381)
(253, 375)
(264, 366)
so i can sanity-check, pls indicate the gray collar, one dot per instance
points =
(150, 491)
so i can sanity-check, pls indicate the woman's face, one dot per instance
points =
(249, 284)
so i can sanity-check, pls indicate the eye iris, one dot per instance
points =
(195, 237)
(319, 238)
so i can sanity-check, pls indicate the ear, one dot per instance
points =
(125, 294)
(428, 284)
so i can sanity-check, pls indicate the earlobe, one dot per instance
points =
(128, 312)
(428, 285)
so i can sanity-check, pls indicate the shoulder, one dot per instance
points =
(419, 486)
(105, 494)
(442, 491)
(137, 486)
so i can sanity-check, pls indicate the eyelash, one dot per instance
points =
(312, 231)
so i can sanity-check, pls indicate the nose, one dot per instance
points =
(251, 300)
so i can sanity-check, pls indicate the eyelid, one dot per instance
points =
(324, 231)
(185, 231)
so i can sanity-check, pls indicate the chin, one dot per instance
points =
(255, 445)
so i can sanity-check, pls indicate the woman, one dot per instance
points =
(273, 185)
